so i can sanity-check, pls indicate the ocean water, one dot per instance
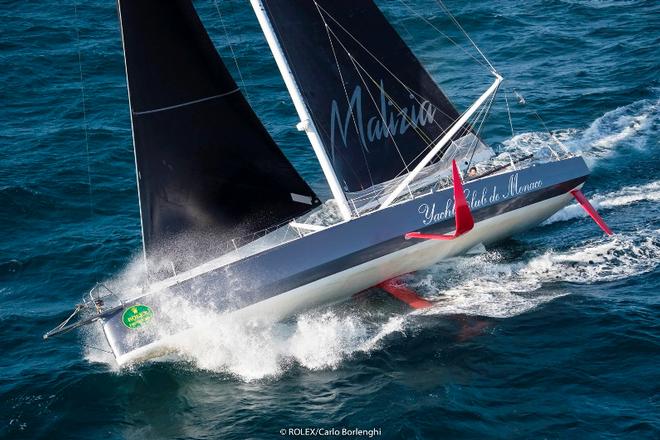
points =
(551, 334)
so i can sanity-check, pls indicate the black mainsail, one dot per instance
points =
(375, 107)
(207, 168)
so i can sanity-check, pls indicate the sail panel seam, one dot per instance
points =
(184, 104)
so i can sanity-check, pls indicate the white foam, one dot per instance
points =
(630, 125)
(628, 195)
(254, 350)
(322, 340)
(316, 340)
(487, 286)
(126, 284)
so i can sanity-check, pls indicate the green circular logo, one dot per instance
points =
(137, 315)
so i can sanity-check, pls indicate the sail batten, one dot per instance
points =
(183, 104)
(208, 171)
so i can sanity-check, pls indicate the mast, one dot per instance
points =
(306, 123)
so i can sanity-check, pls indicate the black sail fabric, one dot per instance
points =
(376, 108)
(208, 169)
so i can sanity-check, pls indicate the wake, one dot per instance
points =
(486, 285)
(628, 195)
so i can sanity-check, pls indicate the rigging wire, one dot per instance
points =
(552, 135)
(231, 48)
(355, 62)
(96, 348)
(382, 117)
(522, 101)
(483, 120)
(450, 39)
(415, 95)
(380, 63)
(418, 131)
(377, 194)
(310, 110)
(430, 143)
(409, 89)
(84, 107)
(508, 112)
(451, 16)
(406, 30)
(343, 84)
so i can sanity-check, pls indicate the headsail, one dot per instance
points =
(207, 168)
(372, 102)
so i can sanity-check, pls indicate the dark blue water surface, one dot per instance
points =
(553, 334)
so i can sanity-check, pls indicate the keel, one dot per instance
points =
(404, 294)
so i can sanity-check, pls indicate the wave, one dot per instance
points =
(625, 196)
(486, 285)
(251, 350)
(600, 4)
(255, 350)
(631, 125)
(318, 340)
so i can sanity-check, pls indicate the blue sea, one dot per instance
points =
(552, 334)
